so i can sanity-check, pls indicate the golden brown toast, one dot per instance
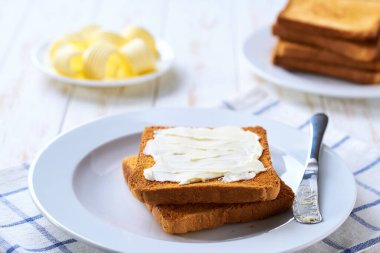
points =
(263, 187)
(179, 219)
(306, 53)
(350, 74)
(361, 51)
(355, 20)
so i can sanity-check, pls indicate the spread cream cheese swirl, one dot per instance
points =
(188, 155)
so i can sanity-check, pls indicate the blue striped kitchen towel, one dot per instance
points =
(24, 229)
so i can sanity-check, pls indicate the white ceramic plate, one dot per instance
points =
(77, 183)
(41, 60)
(257, 50)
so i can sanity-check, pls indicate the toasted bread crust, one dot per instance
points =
(350, 20)
(179, 219)
(358, 51)
(265, 186)
(129, 165)
(306, 53)
(350, 74)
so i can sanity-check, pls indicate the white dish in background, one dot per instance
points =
(257, 50)
(164, 63)
(77, 183)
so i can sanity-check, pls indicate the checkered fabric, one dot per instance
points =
(24, 229)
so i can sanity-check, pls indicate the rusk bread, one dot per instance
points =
(306, 53)
(179, 219)
(350, 74)
(361, 51)
(264, 186)
(355, 20)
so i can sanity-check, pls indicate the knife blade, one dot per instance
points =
(306, 203)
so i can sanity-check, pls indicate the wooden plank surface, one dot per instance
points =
(203, 42)
(207, 37)
(32, 106)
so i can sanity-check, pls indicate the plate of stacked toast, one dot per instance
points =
(329, 48)
(180, 180)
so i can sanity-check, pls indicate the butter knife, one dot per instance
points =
(305, 205)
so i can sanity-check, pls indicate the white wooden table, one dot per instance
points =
(207, 37)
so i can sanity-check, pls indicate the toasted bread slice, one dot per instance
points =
(179, 219)
(361, 51)
(350, 74)
(263, 187)
(355, 20)
(304, 52)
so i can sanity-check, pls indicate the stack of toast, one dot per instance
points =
(202, 205)
(338, 38)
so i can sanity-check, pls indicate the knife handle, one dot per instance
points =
(318, 124)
